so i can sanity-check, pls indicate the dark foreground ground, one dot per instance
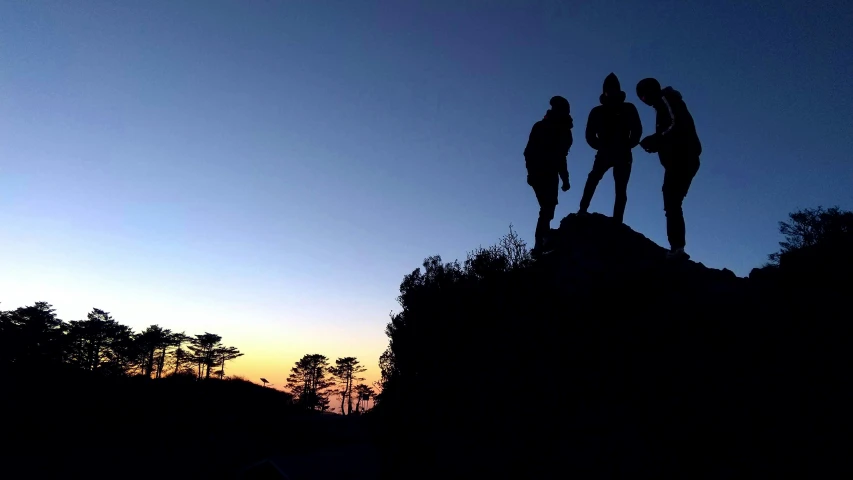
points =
(347, 451)
(330, 447)
(67, 424)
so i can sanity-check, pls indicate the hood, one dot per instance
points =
(670, 92)
(611, 84)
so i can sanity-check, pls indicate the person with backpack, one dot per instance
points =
(678, 147)
(545, 158)
(612, 130)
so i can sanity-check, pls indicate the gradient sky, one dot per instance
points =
(269, 171)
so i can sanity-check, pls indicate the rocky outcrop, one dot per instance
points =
(594, 251)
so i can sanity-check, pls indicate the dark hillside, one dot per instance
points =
(605, 360)
(67, 422)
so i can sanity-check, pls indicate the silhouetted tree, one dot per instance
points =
(813, 226)
(222, 355)
(33, 335)
(309, 383)
(451, 314)
(386, 368)
(346, 370)
(181, 358)
(33, 339)
(152, 343)
(203, 350)
(8, 331)
(362, 391)
(125, 352)
(428, 297)
(377, 385)
(163, 350)
(100, 343)
(514, 250)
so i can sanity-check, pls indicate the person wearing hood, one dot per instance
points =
(678, 147)
(545, 158)
(613, 129)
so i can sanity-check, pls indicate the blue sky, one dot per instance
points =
(272, 169)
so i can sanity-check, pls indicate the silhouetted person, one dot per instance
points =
(677, 144)
(613, 129)
(545, 157)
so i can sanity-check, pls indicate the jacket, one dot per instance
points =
(548, 145)
(676, 132)
(614, 126)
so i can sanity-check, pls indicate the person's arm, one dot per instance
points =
(532, 143)
(668, 130)
(592, 130)
(652, 143)
(635, 125)
(564, 173)
(568, 139)
(571, 141)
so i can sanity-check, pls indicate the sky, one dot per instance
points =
(269, 171)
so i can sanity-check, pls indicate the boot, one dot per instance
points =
(677, 254)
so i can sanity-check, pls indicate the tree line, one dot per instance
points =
(314, 382)
(32, 337)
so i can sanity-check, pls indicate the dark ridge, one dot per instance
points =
(604, 359)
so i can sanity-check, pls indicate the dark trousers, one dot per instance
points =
(546, 188)
(676, 183)
(621, 165)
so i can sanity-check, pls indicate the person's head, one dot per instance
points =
(648, 89)
(611, 85)
(559, 105)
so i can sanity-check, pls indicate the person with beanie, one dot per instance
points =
(545, 158)
(612, 130)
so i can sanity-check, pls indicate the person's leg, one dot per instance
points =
(672, 207)
(686, 181)
(676, 183)
(599, 168)
(543, 225)
(546, 190)
(621, 175)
